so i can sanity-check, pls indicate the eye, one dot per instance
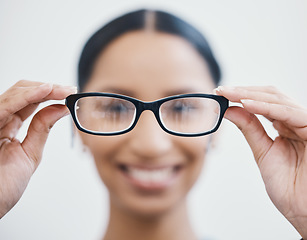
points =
(182, 106)
(113, 106)
(116, 107)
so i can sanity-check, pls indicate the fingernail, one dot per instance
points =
(218, 90)
(45, 85)
(73, 89)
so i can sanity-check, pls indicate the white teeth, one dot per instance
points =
(151, 175)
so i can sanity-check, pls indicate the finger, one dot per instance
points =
(58, 93)
(252, 130)
(39, 129)
(295, 117)
(17, 119)
(270, 119)
(23, 84)
(27, 111)
(10, 130)
(20, 96)
(10, 127)
(52, 92)
(285, 131)
(264, 94)
(27, 83)
(267, 89)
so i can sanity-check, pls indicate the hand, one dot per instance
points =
(283, 161)
(18, 160)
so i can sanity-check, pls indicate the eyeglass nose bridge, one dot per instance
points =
(151, 106)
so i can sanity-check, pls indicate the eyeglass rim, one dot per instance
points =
(153, 106)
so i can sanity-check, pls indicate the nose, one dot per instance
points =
(148, 139)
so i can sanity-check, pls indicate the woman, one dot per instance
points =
(148, 169)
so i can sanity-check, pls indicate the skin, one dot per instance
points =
(19, 160)
(133, 65)
(282, 161)
(147, 76)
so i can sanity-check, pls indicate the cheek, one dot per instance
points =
(195, 149)
(103, 148)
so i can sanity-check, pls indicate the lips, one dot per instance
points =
(150, 178)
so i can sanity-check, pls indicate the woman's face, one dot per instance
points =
(148, 171)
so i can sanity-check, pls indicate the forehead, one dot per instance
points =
(149, 65)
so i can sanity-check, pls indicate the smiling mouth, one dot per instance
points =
(151, 178)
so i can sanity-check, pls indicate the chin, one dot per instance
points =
(148, 205)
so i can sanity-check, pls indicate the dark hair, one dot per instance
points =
(162, 22)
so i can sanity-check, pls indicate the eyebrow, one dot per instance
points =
(180, 91)
(118, 91)
(131, 93)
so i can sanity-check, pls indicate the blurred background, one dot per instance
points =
(256, 42)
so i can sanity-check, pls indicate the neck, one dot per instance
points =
(173, 225)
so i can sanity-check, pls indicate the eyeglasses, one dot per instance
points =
(188, 115)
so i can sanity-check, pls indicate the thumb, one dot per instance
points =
(39, 129)
(252, 130)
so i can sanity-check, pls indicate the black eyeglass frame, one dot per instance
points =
(141, 106)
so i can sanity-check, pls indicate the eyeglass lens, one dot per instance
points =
(105, 114)
(190, 115)
(183, 115)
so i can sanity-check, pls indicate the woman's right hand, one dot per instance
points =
(19, 160)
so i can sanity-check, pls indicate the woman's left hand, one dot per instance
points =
(283, 161)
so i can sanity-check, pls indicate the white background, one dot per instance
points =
(257, 43)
